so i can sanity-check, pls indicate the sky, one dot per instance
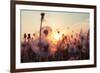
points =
(62, 21)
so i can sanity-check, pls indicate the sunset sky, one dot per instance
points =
(62, 21)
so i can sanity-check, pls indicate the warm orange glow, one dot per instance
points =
(57, 36)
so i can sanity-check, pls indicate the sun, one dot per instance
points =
(57, 36)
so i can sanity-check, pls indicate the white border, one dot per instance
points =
(57, 63)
